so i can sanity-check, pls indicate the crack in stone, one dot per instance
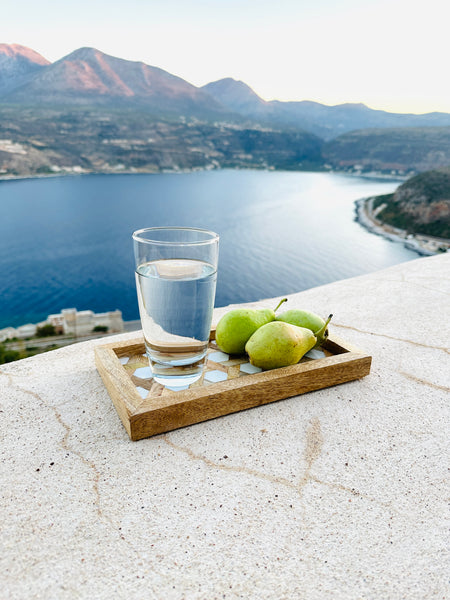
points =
(96, 479)
(406, 281)
(352, 491)
(313, 448)
(64, 443)
(9, 376)
(389, 337)
(424, 287)
(424, 382)
(230, 468)
(312, 451)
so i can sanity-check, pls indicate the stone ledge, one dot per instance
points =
(336, 494)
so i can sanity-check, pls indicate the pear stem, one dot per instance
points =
(280, 303)
(322, 333)
(323, 330)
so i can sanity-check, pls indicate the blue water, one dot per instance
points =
(66, 242)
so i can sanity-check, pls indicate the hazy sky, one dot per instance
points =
(390, 54)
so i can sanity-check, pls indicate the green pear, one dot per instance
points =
(308, 319)
(237, 326)
(279, 344)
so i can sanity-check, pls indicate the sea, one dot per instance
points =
(65, 242)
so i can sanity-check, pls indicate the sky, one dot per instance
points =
(389, 54)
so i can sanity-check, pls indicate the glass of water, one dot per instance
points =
(176, 271)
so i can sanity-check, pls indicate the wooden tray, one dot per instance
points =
(229, 384)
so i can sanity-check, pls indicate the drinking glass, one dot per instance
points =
(176, 271)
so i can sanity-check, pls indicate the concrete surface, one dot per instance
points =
(340, 493)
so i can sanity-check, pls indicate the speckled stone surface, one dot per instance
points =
(340, 493)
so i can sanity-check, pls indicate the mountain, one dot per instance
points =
(408, 148)
(90, 77)
(17, 65)
(236, 95)
(325, 121)
(90, 109)
(420, 205)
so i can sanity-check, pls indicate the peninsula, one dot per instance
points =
(417, 213)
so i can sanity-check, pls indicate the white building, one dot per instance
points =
(26, 331)
(69, 321)
(7, 334)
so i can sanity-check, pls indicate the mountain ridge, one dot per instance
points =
(17, 64)
(100, 113)
(14, 50)
(234, 93)
(88, 76)
(321, 119)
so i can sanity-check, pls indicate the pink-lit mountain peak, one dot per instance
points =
(92, 71)
(91, 77)
(16, 51)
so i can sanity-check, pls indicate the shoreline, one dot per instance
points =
(424, 245)
(371, 175)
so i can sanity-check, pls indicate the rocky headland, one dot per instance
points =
(417, 213)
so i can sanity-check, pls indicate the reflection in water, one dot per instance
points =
(66, 242)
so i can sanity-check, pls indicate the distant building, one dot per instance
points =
(57, 321)
(7, 334)
(69, 321)
(26, 331)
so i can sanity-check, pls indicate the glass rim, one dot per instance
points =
(137, 236)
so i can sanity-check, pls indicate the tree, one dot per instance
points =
(45, 331)
(101, 328)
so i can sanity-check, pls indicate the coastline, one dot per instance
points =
(132, 171)
(422, 244)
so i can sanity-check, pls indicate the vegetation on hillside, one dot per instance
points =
(57, 140)
(432, 185)
(420, 205)
(49, 140)
(407, 149)
(46, 331)
(8, 354)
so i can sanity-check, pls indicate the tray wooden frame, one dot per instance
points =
(147, 417)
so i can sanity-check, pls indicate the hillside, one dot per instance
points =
(107, 139)
(101, 113)
(17, 65)
(90, 77)
(325, 121)
(237, 96)
(102, 140)
(420, 205)
(406, 149)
